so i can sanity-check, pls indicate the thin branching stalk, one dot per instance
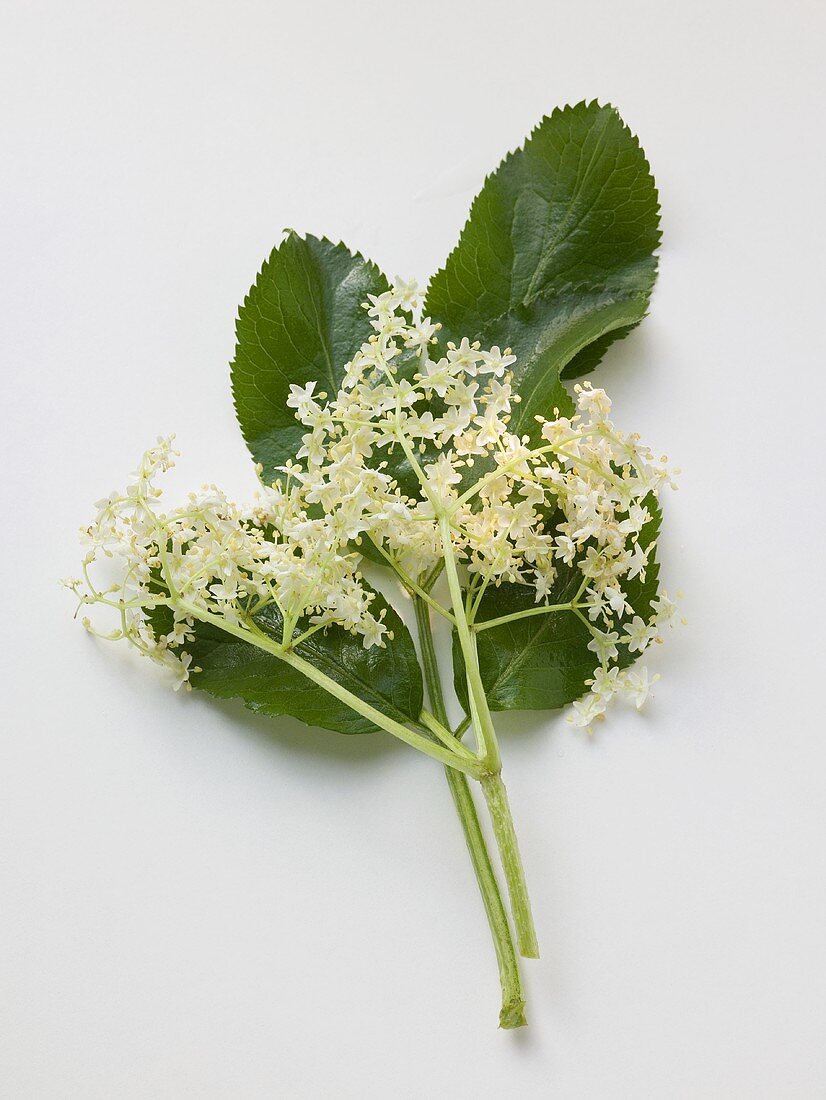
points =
(444, 755)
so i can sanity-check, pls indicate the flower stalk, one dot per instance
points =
(502, 821)
(488, 745)
(451, 757)
(512, 1013)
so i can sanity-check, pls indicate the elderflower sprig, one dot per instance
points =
(486, 506)
(213, 562)
(530, 538)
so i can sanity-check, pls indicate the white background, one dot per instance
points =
(199, 903)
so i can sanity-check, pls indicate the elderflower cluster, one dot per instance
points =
(415, 456)
(211, 560)
(576, 494)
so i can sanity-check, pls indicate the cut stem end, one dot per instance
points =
(512, 1016)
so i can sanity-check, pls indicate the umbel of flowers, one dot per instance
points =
(483, 505)
(296, 545)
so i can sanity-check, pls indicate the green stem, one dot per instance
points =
(410, 584)
(489, 749)
(546, 609)
(430, 665)
(512, 1013)
(482, 723)
(500, 816)
(416, 740)
(444, 734)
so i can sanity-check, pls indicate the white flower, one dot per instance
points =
(301, 399)
(606, 683)
(665, 610)
(437, 376)
(636, 686)
(496, 362)
(593, 401)
(442, 476)
(498, 399)
(182, 671)
(604, 644)
(420, 334)
(638, 634)
(406, 294)
(637, 562)
(544, 582)
(464, 358)
(490, 427)
(585, 711)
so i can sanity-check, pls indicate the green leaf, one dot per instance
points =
(301, 322)
(557, 257)
(388, 679)
(542, 662)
